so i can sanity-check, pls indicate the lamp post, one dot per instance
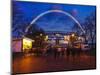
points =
(72, 39)
(73, 35)
(57, 39)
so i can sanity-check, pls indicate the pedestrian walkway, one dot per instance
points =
(34, 64)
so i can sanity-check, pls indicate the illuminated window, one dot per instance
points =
(27, 44)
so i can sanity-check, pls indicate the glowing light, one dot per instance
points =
(57, 34)
(66, 42)
(33, 40)
(41, 34)
(73, 35)
(27, 44)
(79, 38)
(67, 37)
(46, 38)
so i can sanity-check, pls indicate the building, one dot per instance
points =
(51, 38)
(57, 37)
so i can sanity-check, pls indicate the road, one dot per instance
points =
(34, 64)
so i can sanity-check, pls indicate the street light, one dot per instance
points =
(73, 35)
(41, 34)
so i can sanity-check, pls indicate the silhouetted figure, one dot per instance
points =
(59, 52)
(55, 52)
(62, 52)
(48, 51)
(68, 52)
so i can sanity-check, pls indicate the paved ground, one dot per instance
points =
(33, 64)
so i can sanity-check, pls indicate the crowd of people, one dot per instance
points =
(57, 52)
(60, 51)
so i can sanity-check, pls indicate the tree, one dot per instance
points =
(90, 28)
(37, 34)
(73, 39)
(89, 25)
(19, 23)
(76, 29)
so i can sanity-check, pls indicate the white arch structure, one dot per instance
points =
(51, 11)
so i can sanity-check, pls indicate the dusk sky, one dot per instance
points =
(53, 21)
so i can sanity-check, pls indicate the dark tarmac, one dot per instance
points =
(36, 64)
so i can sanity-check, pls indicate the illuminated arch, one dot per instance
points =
(51, 11)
